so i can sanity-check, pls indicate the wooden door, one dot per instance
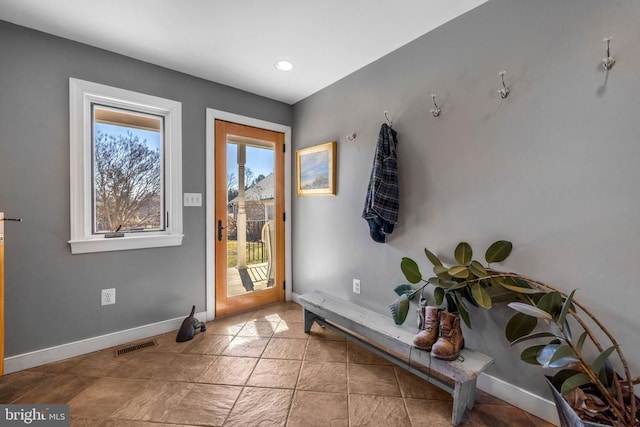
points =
(249, 217)
(1, 293)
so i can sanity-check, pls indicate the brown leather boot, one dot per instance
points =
(429, 330)
(450, 341)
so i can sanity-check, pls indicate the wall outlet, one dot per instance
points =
(108, 296)
(356, 286)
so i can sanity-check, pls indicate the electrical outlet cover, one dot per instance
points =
(108, 296)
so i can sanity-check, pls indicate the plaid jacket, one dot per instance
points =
(383, 195)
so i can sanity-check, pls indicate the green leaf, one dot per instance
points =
(598, 363)
(438, 294)
(498, 251)
(463, 253)
(481, 296)
(551, 302)
(561, 376)
(531, 336)
(580, 342)
(565, 309)
(477, 269)
(410, 270)
(549, 357)
(441, 271)
(405, 289)
(452, 286)
(435, 281)
(500, 295)
(459, 271)
(431, 257)
(606, 374)
(574, 382)
(462, 309)
(530, 354)
(563, 352)
(512, 286)
(530, 310)
(399, 309)
(519, 326)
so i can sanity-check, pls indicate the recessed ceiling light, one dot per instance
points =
(284, 65)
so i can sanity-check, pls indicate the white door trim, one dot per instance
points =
(212, 115)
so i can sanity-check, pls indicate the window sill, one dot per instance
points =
(124, 243)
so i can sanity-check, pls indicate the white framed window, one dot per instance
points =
(126, 169)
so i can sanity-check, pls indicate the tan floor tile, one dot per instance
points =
(246, 346)
(153, 401)
(373, 379)
(199, 383)
(208, 344)
(17, 384)
(315, 409)
(499, 416)
(289, 329)
(359, 354)
(323, 376)
(320, 333)
(104, 396)
(260, 407)
(136, 423)
(326, 351)
(85, 422)
(98, 364)
(415, 387)
(166, 343)
(285, 348)
(275, 373)
(57, 389)
(538, 422)
(255, 328)
(205, 404)
(59, 367)
(142, 365)
(186, 368)
(377, 411)
(229, 370)
(429, 413)
(225, 326)
(292, 315)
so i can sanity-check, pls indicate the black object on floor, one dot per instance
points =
(189, 327)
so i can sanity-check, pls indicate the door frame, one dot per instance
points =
(210, 254)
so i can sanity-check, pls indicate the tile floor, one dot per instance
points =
(252, 369)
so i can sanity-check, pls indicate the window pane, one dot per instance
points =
(127, 170)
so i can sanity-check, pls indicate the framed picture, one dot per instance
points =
(316, 170)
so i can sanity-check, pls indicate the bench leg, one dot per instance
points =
(464, 395)
(309, 318)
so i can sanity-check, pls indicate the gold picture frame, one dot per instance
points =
(316, 170)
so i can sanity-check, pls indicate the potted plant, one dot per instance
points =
(584, 373)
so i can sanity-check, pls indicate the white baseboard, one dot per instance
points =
(520, 398)
(295, 297)
(89, 345)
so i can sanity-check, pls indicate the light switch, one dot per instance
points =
(192, 199)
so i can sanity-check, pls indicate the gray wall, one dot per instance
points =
(53, 297)
(552, 168)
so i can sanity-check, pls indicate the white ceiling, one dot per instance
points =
(237, 42)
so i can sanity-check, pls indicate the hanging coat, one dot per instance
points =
(383, 195)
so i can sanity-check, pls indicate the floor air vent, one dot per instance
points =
(134, 347)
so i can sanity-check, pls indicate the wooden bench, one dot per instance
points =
(381, 335)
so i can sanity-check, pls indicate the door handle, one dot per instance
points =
(220, 228)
